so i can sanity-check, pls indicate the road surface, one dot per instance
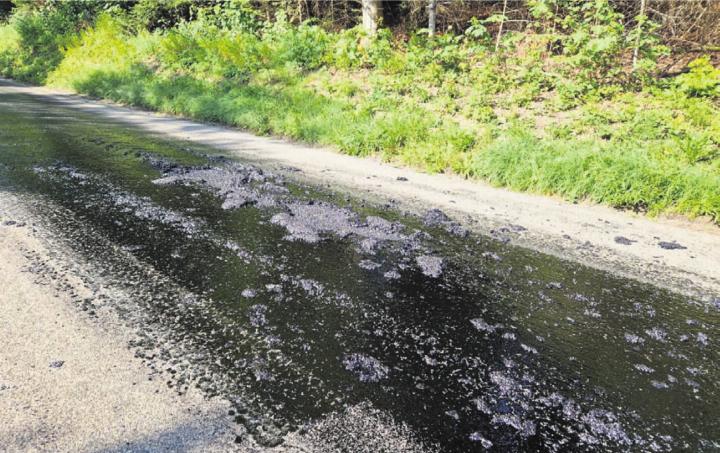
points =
(171, 285)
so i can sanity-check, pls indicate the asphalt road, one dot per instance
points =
(176, 286)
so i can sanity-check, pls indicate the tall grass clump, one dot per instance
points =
(624, 177)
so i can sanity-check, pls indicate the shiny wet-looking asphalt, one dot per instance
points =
(295, 302)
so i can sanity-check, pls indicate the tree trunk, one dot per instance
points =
(372, 14)
(432, 17)
(641, 23)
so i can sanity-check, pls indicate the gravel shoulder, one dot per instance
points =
(677, 254)
(68, 383)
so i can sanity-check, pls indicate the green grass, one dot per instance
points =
(621, 176)
(655, 150)
(9, 46)
(294, 112)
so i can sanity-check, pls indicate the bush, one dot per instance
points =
(353, 49)
(9, 47)
(42, 35)
(233, 15)
(107, 46)
(162, 14)
(305, 45)
(702, 79)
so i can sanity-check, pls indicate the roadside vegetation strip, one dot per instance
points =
(570, 122)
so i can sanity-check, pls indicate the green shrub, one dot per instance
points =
(703, 79)
(233, 15)
(106, 46)
(304, 45)
(162, 14)
(9, 48)
(41, 34)
(354, 48)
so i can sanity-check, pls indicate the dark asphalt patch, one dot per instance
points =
(622, 240)
(671, 245)
(477, 343)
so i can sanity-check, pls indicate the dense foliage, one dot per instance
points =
(574, 105)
